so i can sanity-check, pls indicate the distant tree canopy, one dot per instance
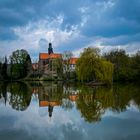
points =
(20, 64)
(126, 67)
(67, 55)
(3, 69)
(91, 67)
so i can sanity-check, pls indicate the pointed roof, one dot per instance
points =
(43, 56)
(73, 61)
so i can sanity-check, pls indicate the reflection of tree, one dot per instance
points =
(90, 109)
(3, 91)
(53, 90)
(67, 104)
(123, 94)
(20, 97)
(93, 102)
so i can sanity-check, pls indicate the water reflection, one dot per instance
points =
(17, 95)
(92, 103)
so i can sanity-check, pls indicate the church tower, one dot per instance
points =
(50, 49)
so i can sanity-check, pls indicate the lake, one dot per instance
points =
(56, 111)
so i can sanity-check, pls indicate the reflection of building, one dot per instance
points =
(73, 97)
(46, 101)
(70, 90)
(73, 93)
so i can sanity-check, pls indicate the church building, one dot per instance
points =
(45, 59)
(46, 62)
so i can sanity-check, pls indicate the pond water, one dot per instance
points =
(56, 111)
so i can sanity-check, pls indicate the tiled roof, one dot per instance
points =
(47, 56)
(73, 97)
(73, 61)
(47, 103)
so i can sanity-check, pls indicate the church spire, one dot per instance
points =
(50, 49)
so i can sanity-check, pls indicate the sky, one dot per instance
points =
(71, 25)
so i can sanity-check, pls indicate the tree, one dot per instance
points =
(58, 67)
(20, 64)
(122, 64)
(135, 65)
(3, 69)
(91, 67)
(67, 55)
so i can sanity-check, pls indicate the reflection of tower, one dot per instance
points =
(5, 97)
(50, 110)
(46, 100)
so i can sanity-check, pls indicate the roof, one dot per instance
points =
(43, 56)
(73, 61)
(73, 97)
(47, 103)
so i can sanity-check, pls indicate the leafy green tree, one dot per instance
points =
(125, 67)
(67, 55)
(135, 65)
(20, 64)
(3, 69)
(58, 67)
(91, 67)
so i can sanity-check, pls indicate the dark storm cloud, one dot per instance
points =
(122, 18)
(92, 18)
(15, 13)
(7, 34)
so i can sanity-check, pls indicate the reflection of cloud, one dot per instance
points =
(65, 124)
(43, 111)
(132, 112)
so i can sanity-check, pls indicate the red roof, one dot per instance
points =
(47, 56)
(73, 61)
(47, 103)
(73, 97)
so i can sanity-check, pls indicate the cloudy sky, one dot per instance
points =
(69, 25)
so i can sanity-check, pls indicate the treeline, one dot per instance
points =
(115, 65)
(91, 67)
(126, 67)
